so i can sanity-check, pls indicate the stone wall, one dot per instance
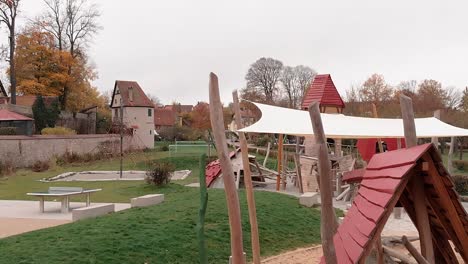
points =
(23, 151)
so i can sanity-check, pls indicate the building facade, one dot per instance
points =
(138, 112)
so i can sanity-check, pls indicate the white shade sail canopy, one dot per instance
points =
(279, 120)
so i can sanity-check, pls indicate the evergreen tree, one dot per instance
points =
(40, 113)
(53, 113)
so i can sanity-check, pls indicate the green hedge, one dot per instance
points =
(8, 131)
(461, 184)
(461, 165)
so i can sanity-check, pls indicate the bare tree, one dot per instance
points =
(54, 21)
(453, 97)
(295, 82)
(8, 15)
(431, 96)
(81, 23)
(464, 100)
(305, 77)
(265, 74)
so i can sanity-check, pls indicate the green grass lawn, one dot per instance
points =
(166, 233)
(160, 234)
(15, 187)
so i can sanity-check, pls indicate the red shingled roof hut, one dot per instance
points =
(324, 91)
(386, 181)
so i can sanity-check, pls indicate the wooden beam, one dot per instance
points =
(248, 183)
(379, 249)
(267, 154)
(448, 206)
(397, 255)
(217, 124)
(280, 160)
(417, 183)
(297, 161)
(435, 140)
(328, 220)
(419, 258)
(450, 155)
(408, 121)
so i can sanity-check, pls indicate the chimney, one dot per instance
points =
(130, 94)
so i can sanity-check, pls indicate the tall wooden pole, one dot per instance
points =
(435, 140)
(417, 183)
(248, 183)
(328, 222)
(376, 115)
(121, 137)
(217, 124)
(280, 162)
(450, 155)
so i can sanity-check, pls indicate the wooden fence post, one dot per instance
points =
(328, 220)
(417, 183)
(217, 124)
(248, 184)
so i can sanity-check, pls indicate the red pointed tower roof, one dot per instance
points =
(323, 90)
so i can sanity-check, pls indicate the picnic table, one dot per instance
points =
(64, 193)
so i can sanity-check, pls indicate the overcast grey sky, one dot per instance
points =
(170, 47)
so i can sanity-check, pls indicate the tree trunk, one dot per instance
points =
(12, 63)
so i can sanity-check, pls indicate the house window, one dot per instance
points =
(150, 113)
(151, 133)
(115, 101)
(117, 113)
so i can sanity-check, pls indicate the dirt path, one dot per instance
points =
(15, 226)
(298, 256)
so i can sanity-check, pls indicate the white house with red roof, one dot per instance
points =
(138, 112)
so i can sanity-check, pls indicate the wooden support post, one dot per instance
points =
(417, 183)
(217, 124)
(379, 248)
(297, 161)
(280, 160)
(397, 210)
(450, 155)
(420, 259)
(329, 223)
(267, 154)
(248, 184)
(435, 140)
(374, 111)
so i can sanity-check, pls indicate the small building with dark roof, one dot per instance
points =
(22, 124)
(138, 112)
(164, 118)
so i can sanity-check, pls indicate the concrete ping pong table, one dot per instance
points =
(64, 193)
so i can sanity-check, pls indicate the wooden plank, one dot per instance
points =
(248, 184)
(380, 198)
(217, 124)
(267, 154)
(364, 225)
(353, 249)
(394, 172)
(349, 228)
(379, 248)
(447, 204)
(450, 155)
(422, 219)
(407, 113)
(341, 254)
(329, 223)
(419, 258)
(435, 140)
(280, 159)
(297, 162)
(368, 209)
(387, 185)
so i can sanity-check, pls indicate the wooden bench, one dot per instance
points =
(64, 193)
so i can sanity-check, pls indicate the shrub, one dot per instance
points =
(159, 173)
(165, 148)
(262, 141)
(40, 166)
(58, 131)
(461, 165)
(461, 184)
(6, 168)
(8, 131)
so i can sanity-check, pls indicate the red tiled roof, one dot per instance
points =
(213, 169)
(139, 97)
(6, 115)
(323, 90)
(164, 117)
(383, 185)
(180, 108)
(28, 100)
